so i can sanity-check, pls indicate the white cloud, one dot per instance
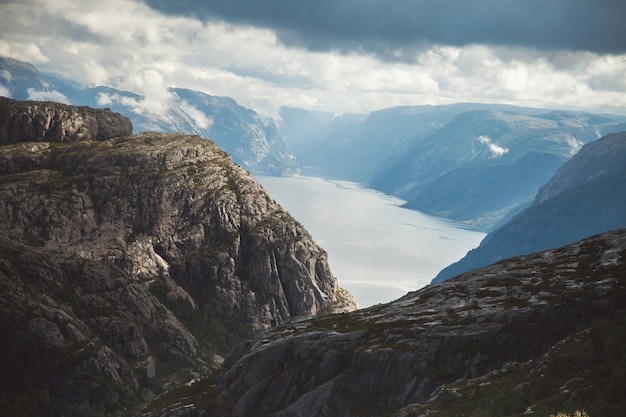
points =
(6, 75)
(47, 96)
(496, 150)
(201, 119)
(103, 99)
(28, 52)
(4, 92)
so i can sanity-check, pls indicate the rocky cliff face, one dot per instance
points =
(129, 262)
(390, 359)
(34, 121)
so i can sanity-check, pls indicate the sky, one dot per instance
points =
(333, 55)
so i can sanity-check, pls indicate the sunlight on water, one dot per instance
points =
(377, 250)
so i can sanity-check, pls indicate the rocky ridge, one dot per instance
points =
(130, 262)
(383, 359)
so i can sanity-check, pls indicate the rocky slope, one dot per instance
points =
(252, 142)
(500, 326)
(130, 262)
(586, 196)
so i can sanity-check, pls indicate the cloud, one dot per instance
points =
(201, 119)
(395, 29)
(6, 75)
(47, 96)
(496, 150)
(4, 92)
(28, 52)
(275, 57)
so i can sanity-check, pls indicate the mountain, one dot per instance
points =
(586, 196)
(19, 79)
(132, 263)
(254, 143)
(475, 163)
(529, 336)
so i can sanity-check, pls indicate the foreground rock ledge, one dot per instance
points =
(379, 360)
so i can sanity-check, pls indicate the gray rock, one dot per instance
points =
(23, 121)
(378, 360)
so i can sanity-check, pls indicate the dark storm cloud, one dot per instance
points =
(394, 28)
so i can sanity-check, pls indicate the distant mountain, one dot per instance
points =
(586, 196)
(475, 163)
(19, 79)
(324, 143)
(254, 143)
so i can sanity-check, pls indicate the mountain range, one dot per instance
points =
(475, 163)
(529, 336)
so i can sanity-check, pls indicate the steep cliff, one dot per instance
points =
(128, 263)
(391, 358)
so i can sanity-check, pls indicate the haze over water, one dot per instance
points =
(377, 250)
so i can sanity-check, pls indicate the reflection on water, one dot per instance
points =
(377, 250)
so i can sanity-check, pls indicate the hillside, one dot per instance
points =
(529, 336)
(132, 263)
(586, 196)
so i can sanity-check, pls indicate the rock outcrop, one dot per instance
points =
(130, 262)
(380, 360)
(24, 121)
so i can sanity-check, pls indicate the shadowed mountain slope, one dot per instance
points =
(586, 196)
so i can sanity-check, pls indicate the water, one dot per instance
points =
(377, 250)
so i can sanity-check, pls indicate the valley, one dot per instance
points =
(378, 250)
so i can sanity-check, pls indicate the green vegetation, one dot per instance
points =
(24, 394)
(215, 332)
(202, 393)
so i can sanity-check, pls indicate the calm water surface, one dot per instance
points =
(377, 250)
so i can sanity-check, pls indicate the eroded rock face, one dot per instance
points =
(122, 256)
(378, 360)
(22, 121)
